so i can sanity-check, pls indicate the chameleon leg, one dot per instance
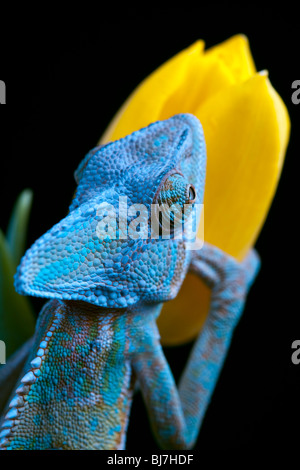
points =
(176, 415)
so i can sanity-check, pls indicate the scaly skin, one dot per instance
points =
(82, 385)
(99, 330)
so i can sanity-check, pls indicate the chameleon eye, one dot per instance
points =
(176, 190)
(173, 197)
(191, 194)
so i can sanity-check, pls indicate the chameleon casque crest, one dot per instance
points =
(97, 334)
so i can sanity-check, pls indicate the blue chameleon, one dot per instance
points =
(107, 276)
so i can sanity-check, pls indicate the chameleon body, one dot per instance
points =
(97, 334)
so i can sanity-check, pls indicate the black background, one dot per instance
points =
(65, 81)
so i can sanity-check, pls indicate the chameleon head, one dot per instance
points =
(116, 247)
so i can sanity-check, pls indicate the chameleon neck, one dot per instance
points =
(76, 383)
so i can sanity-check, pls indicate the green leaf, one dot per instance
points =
(17, 320)
(17, 227)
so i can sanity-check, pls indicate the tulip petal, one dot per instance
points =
(203, 78)
(220, 66)
(181, 319)
(246, 127)
(247, 130)
(236, 55)
(144, 105)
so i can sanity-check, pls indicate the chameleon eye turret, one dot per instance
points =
(173, 201)
(176, 190)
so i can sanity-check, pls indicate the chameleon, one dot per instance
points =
(96, 338)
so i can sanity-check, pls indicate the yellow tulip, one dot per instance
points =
(246, 127)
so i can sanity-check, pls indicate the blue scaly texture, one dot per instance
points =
(98, 330)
